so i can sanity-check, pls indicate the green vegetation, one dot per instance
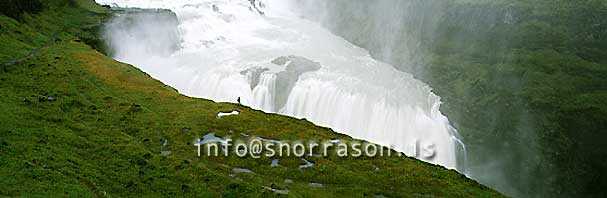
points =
(530, 81)
(77, 123)
(16, 8)
(524, 82)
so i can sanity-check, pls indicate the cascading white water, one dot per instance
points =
(278, 62)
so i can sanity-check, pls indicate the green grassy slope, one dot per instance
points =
(77, 123)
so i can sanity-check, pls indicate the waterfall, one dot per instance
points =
(276, 61)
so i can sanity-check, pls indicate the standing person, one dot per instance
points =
(238, 100)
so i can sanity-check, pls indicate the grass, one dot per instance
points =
(77, 123)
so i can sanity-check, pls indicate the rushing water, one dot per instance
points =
(276, 61)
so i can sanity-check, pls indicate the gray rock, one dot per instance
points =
(253, 75)
(285, 80)
(307, 164)
(275, 163)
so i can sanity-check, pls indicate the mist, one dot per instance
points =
(276, 61)
(435, 40)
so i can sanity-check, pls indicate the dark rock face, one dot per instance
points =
(254, 74)
(285, 80)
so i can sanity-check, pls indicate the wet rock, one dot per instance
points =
(282, 61)
(208, 44)
(285, 80)
(254, 75)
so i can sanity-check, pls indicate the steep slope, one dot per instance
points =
(76, 123)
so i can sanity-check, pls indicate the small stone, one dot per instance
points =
(241, 170)
(51, 99)
(275, 163)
